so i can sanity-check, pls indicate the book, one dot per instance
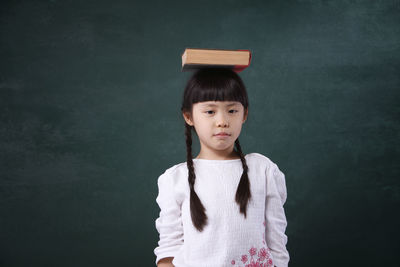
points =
(196, 58)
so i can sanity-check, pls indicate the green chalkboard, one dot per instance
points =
(90, 93)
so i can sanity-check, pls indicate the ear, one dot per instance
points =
(187, 118)
(246, 112)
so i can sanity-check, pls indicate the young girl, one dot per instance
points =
(222, 208)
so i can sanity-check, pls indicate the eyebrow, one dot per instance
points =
(214, 105)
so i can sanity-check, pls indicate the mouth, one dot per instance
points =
(222, 134)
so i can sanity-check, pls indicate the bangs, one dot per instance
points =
(215, 85)
(217, 91)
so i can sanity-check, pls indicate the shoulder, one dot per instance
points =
(173, 182)
(174, 173)
(259, 158)
(264, 161)
(176, 168)
(276, 179)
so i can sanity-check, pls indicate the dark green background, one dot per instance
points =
(90, 93)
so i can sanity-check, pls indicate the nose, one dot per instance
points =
(222, 121)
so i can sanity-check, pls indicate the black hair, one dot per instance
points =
(214, 84)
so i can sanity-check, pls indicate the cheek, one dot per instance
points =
(202, 126)
(237, 123)
(238, 126)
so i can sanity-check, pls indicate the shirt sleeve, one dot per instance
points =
(275, 216)
(169, 222)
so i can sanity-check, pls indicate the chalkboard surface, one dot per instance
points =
(90, 93)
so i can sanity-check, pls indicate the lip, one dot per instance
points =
(222, 134)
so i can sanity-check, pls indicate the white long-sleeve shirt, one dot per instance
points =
(228, 239)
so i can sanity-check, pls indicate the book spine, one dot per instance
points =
(248, 64)
(235, 68)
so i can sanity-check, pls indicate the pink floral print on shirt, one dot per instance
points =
(260, 259)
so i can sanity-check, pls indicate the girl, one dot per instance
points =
(222, 208)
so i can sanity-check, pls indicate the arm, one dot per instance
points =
(275, 216)
(165, 262)
(169, 223)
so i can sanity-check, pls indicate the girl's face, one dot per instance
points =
(218, 125)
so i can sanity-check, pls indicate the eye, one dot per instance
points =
(209, 111)
(234, 110)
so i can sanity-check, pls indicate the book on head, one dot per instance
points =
(196, 58)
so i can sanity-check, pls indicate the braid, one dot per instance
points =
(197, 210)
(243, 193)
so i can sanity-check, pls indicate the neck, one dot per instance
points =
(218, 156)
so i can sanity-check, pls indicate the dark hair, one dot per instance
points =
(213, 84)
